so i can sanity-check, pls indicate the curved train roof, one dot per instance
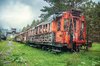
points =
(50, 19)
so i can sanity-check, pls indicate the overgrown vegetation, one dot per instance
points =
(23, 55)
(3, 49)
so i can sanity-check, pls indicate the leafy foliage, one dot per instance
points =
(92, 11)
(60, 5)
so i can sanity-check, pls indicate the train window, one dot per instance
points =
(43, 28)
(74, 21)
(66, 24)
(82, 27)
(36, 30)
(58, 25)
(49, 26)
(46, 26)
(31, 30)
(40, 28)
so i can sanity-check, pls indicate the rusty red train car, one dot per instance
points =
(62, 30)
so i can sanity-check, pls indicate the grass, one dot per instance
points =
(3, 49)
(23, 55)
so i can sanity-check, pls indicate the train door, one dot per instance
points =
(81, 32)
(66, 29)
(59, 34)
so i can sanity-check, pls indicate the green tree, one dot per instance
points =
(35, 22)
(92, 12)
(59, 6)
(88, 8)
(24, 28)
(95, 22)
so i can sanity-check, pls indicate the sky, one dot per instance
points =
(19, 13)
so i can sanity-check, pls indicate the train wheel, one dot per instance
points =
(73, 48)
(49, 49)
(56, 49)
(77, 49)
(86, 47)
(44, 48)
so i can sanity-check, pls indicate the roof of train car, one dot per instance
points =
(49, 20)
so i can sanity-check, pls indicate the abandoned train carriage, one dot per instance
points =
(66, 29)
